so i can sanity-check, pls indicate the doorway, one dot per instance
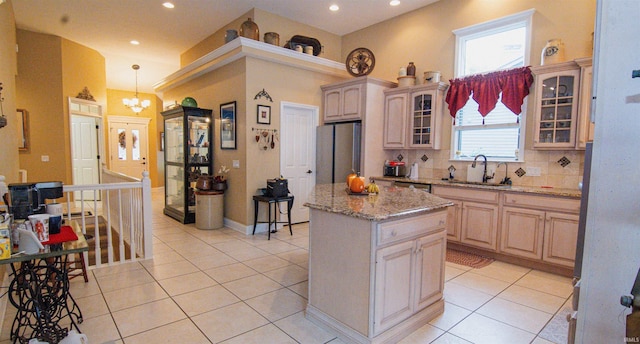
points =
(128, 145)
(85, 118)
(298, 124)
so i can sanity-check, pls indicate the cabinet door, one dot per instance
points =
(395, 114)
(585, 126)
(332, 104)
(479, 225)
(352, 102)
(429, 282)
(454, 221)
(556, 109)
(522, 232)
(422, 119)
(560, 238)
(393, 291)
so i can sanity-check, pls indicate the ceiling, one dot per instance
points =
(109, 25)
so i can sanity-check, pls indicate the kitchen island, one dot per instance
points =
(376, 262)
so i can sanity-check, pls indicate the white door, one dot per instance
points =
(84, 152)
(128, 145)
(298, 153)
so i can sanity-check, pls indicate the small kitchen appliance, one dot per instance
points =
(394, 169)
(30, 198)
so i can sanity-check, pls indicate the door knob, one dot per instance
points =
(309, 171)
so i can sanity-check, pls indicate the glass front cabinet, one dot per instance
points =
(557, 88)
(188, 153)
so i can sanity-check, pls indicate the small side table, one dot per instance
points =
(272, 200)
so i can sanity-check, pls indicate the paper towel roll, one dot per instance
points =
(54, 209)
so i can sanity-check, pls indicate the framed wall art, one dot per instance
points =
(264, 114)
(23, 129)
(228, 125)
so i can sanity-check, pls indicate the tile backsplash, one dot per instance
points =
(559, 169)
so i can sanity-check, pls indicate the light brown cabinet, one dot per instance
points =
(562, 104)
(413, 116)
(406, 279)
(540, 227)
(343, 102)
(473, 220)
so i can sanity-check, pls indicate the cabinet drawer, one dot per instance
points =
(542, 202)
(466, 194)
(389, 232)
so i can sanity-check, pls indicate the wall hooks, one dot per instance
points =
(261, 94)
(266, 138)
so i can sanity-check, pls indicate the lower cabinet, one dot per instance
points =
(560, 237)
(473, 219)
(522, 232)
(407, 280)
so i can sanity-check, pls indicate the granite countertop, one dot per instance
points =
(549, 191)
(389, 203)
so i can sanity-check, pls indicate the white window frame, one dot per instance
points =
(524, 18)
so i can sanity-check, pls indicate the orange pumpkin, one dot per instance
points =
(357, 185)
(350, 178)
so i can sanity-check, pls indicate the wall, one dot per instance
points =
(8, 70)
(117, 108)
(425, 37)
(267, 22)
(39, 91)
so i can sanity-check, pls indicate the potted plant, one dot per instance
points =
(220, 179)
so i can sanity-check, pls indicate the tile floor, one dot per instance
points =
(220, 286)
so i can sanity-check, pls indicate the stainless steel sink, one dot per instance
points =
(463, 182)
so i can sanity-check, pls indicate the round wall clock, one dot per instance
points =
(360, 62)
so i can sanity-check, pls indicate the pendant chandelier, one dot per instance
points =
(135, 104)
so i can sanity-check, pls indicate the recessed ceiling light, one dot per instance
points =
(394, 2)
(168, 5)
(134, 42)
(334, 7)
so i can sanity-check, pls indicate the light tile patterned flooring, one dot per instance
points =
(221, 286)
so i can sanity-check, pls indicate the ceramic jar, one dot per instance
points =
(272, 38)
(204, 182)
(411, 69)
(249, 29)
(431, 76)
(553, 52)
(230, 35)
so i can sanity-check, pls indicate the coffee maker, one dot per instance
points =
(30, 198)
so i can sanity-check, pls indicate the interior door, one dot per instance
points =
(298, 153)
(128, 143)
(84, 152)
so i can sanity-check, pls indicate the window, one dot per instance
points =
(496, 45)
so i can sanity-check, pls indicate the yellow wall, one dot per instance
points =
(117, 108)
(267, 22)
(8, 69)
(50, 70)
(39, 91)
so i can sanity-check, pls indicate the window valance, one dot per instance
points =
(514, 85)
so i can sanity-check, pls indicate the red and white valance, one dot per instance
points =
(486, 88)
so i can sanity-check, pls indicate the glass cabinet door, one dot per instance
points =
(556, 112)
(174, 140)
(421, 121)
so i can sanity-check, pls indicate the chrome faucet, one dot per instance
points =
(485, 177)
(506, 180)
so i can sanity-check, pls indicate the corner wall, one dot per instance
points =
(9, 161)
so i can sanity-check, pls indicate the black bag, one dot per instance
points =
(277, 187)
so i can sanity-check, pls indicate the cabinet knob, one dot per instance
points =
(394, 233)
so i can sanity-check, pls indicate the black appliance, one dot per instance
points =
(277, 187)
(30, 198)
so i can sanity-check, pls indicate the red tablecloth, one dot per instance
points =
(66, 234)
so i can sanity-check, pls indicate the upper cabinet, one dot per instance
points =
(562, 98)
(343, 102)
(413, 116)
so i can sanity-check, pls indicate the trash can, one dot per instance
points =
(209, 209)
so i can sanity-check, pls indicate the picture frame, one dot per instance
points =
(23, 127)
(263, 115)
(228, 125)
(162, 141)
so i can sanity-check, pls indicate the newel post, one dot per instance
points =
(147, 215)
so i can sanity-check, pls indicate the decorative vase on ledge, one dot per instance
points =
(219, 186)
